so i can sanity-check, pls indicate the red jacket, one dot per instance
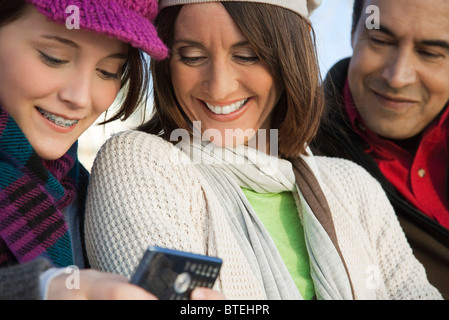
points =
(418, 174)
(419, 197)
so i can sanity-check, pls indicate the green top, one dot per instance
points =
(278, 213)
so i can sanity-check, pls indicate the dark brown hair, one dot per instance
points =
(135, 75)
(282, 39)
(11, 10)
(357, 13)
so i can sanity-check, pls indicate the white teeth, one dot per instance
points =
(60, 121)
(227, 109)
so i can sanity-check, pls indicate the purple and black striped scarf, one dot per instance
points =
(33, 193)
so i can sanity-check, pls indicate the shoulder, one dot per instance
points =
(134, 142)
(351, 186)
(136, 149)
(136, 159)
(341, 171)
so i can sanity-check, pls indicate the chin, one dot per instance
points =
(51, 154)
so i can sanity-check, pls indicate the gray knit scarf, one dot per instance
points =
(229, 169)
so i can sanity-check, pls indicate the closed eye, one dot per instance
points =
(192, 61)
(108, 75)
(378, 41)
(51, 61)
(247, 60)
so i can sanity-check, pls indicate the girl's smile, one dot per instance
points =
(56, 82)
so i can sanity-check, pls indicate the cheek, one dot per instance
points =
(359, 76)
(23, 79)
(104, 95)
(185, 83)
(364, 62)
(436, 83)
(436, 100)
(262, 83)
(183, 80)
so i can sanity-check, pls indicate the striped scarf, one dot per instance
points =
(32, 194)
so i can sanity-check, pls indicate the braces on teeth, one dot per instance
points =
(58, 120)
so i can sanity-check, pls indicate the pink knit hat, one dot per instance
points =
(127, 20)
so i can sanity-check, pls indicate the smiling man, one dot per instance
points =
(387, 110)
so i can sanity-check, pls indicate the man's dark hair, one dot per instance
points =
(357, 13)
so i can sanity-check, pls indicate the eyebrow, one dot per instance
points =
(76, 46)
(432, 43)
(62, 40)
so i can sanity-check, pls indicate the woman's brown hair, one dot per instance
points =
(135, 75)
(285, 42)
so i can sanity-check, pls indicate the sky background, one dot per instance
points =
(332, 25)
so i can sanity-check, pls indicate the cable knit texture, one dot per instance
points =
(138, 196)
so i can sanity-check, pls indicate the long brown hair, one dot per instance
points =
(135, 75)
(285, 42)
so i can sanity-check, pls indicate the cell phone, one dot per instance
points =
(172, 275)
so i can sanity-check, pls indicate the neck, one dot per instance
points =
(411, 144)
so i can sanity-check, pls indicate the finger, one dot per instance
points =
(206, 294)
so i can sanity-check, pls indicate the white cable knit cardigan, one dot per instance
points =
(137, 197)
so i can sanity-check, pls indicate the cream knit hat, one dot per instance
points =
(301, 7)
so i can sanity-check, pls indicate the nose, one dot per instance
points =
(221, 80)
(76, 90)
(401, 70)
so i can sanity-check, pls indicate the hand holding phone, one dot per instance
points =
(172, 275)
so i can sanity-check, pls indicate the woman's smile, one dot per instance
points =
(217, 76)
(226, 108)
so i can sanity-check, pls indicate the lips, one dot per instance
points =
(394, 98)
(58, 120)
(394, 102)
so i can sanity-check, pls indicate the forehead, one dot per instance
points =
(33, 25)
(206, 22)
(414, 18)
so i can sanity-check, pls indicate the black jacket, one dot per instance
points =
(428, 239)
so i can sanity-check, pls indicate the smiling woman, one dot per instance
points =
(55, 82)
(263, 77)
(219, 80)
(72, 78)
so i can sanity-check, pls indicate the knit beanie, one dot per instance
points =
(302, 7)
(127, 20)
